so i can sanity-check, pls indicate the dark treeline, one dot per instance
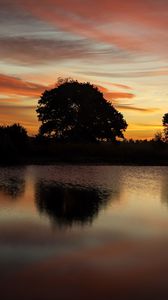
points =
(18, 147)
(124, 152)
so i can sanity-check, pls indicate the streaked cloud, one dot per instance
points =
(118, 95)
(159, 126)
(132, 25)
(126, 74)
(135, 108)
(123, 86)
(37, 51)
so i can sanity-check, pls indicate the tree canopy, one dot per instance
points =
(75, 111)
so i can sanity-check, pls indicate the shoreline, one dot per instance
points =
(44, 162)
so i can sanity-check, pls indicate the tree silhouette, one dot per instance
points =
(165, 124)
(75, 111)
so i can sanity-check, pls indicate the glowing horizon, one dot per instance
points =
(120, 47)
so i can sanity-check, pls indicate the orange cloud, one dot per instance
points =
(114, 95)
(118, 95)
(16, 86)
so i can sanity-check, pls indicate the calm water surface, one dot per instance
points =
(83, 232)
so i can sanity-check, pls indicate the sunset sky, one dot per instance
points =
(121, 46)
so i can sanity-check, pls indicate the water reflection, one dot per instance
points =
(67, 205)
(123, 255)
(12, 184)
(164, 188)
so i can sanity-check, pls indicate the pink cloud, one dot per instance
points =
(27, 50)
(131, 25)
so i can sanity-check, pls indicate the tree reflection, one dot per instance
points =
(12, 184)
(67, 205)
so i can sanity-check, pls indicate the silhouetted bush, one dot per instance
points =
(13, 142)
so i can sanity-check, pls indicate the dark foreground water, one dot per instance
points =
(84, 232)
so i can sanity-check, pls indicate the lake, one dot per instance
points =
(83, 232)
